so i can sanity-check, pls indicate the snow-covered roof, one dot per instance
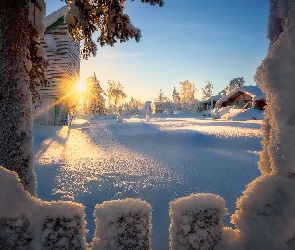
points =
(54, 16)
(254, 91)
(211, 98)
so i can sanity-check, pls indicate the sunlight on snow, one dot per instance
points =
(93, 155)
(52, 151)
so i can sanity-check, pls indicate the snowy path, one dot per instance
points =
(156, 161)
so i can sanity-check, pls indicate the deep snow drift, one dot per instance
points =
(169, 157)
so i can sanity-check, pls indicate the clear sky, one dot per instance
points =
(195, 40)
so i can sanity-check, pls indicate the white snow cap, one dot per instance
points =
(201, 201)
(50, 19)
(122, 224)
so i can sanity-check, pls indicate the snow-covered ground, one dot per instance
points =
(170, 156)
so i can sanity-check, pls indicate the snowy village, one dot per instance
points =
(84, 164)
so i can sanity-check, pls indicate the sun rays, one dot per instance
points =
(81, 86)
(69, 90)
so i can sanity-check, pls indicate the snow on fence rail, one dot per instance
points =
(29, 223)
(196, 221)
(123, 224)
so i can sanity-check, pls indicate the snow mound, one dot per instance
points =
(235, 114)
(243, 115)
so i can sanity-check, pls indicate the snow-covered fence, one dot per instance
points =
(60, 225)
(265, 213)
(196, 221)
(123, 224)
(263, 220)
(29, 223)
(15, 233)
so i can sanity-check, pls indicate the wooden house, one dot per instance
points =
(244, 98)
(63, 55)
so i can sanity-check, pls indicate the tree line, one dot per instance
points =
(188, 91)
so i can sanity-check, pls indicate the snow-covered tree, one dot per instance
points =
(94, 95)
(176, 96)
(235, 83)
(107, 17)
(115, 93)
(22, 65)
(22, 68)
(187, 92)
(222, 92)
(161, 97)
(134, 105)
(207, 90)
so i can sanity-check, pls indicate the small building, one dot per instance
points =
(209, 103)
(244, 98)
(63, 55)
(157, 107)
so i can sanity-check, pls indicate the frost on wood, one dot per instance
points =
(60, 225)
(276, 77)
(265, 215)
(196, 221)
(29, 223)
(15, 233)
(62, 233)
(123, 224)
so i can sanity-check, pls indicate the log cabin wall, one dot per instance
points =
(63, 55)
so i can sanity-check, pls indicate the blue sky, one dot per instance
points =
(193, 40)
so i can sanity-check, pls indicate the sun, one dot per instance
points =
(81, 86)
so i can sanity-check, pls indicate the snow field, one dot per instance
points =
(169, 157)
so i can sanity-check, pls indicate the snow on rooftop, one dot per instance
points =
(254, 91)
(54, 16)
(211, 98)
